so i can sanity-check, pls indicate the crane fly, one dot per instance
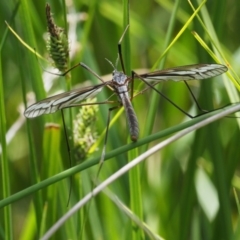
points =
(120, 85)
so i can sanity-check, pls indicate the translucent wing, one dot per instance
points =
(189, 72)
(63, 100)
(71, 98)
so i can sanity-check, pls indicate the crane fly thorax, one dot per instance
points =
(120, 82)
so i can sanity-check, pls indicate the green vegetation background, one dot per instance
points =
(185, 191)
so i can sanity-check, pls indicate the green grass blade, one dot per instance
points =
(6, 192)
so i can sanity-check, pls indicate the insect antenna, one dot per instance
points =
(114, 67)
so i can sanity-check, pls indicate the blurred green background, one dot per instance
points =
(186, 189)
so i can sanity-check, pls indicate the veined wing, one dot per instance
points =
(188, 72)
(63, 100)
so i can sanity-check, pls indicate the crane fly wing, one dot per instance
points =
(188, 72)
(63, 100)
(68, 99)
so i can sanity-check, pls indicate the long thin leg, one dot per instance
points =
(120, 49)
(78, 64)
(69, 154)
(168, 99)
(66, 136)
(132, 86)
(195, 100)
(95, 182)
(204, 111)
(87, 104)
(105, 140)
